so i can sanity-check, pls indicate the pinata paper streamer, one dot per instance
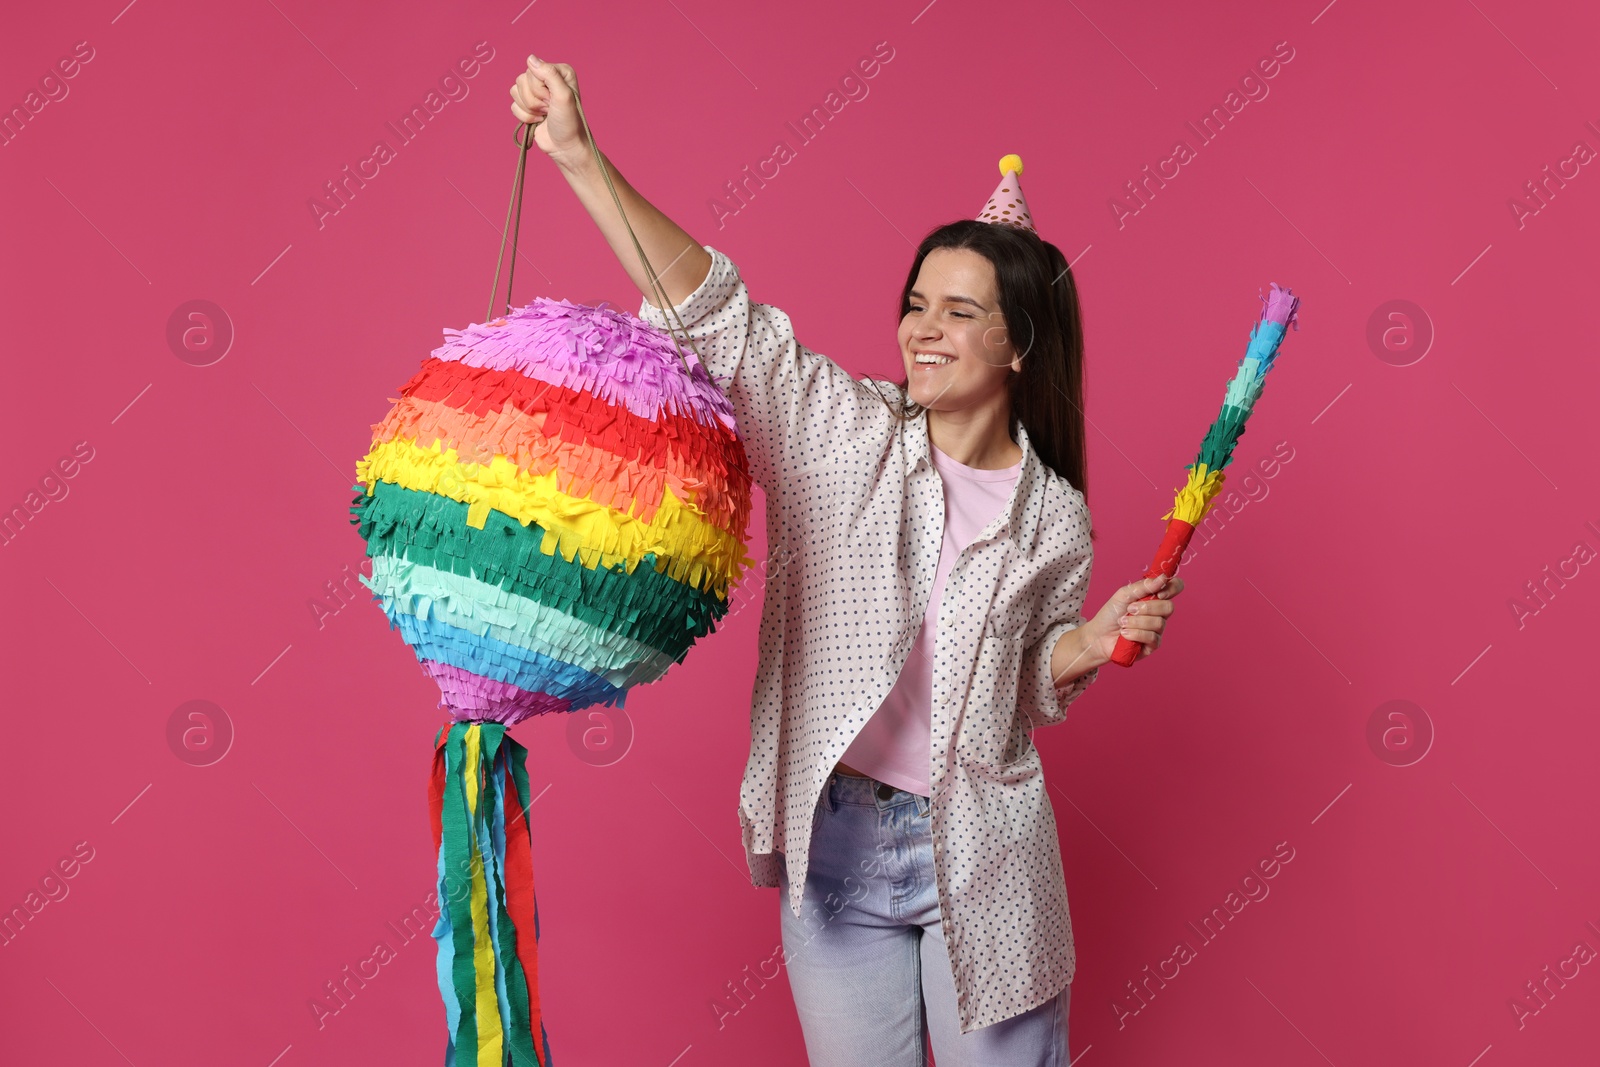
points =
(555, 508)
(1195, 496)
(488, 972)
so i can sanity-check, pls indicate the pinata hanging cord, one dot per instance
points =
(511, 228)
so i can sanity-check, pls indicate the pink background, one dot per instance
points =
(1378, 564)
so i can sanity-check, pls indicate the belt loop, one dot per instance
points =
(923, 803)
(827, 793)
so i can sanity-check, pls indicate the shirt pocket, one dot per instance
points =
(1003, 632)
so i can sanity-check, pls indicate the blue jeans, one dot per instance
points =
(867, 960)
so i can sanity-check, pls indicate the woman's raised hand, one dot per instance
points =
(546, 93)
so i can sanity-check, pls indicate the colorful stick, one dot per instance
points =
(1194, 499)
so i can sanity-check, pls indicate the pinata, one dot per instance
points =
(1195, 496)
(555, 508)
(516, 486)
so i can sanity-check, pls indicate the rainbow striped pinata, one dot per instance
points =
(555, 509)
(1194, 497)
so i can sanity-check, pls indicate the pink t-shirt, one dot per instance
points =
(894, 745)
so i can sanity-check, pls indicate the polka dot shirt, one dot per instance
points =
(855, 522)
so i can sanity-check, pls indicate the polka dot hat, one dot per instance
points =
(1006, 205)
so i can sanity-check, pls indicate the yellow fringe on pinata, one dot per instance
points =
(696, 552)
(1194, 499)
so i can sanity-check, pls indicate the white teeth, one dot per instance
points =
(923, 357)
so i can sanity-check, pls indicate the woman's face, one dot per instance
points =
(955, 313)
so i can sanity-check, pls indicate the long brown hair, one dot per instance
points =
(1039, 302)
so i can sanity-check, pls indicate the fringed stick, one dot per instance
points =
(1205, 479)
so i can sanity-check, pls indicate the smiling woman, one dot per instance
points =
(931, 620)
(1000, 304)
(957, 360)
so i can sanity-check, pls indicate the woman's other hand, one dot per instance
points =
(546, 93)
(1126, 615)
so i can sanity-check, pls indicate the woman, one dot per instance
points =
(936, 553)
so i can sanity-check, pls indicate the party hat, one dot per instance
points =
(1007, 205)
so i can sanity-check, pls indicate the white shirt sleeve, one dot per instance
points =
(789, 401)
(1064, 583)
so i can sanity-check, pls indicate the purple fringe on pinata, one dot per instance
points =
(596, 350)
(473, 698)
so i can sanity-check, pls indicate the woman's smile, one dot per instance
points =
(931, 361)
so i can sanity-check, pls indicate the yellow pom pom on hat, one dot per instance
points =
(1007, 206)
